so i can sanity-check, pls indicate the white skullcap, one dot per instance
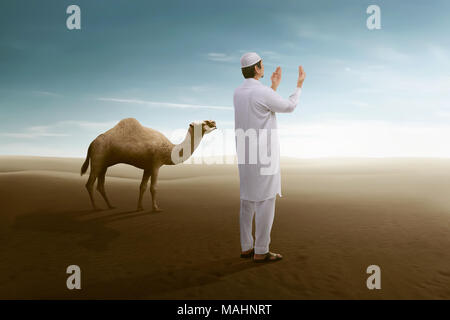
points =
(249, 58)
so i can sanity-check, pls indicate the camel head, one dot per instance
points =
(206, 126)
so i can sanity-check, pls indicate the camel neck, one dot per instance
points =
(184, 150)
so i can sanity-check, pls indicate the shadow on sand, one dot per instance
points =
(158, 283)
(97, 236)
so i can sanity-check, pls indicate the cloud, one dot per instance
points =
(439, 54)
(58, 129)
(443, 114)
(379, 79)
(33, 149)
(165, 104)
(345, 139)
(312, 33)
(33, 133)
(47, 93)
(390, 54)
(358, 103)
(199, 88)
(364, 139)
(220, 57)
(269, 56)
(312, 139)
(95, 126)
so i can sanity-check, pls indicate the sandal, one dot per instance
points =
(249, 254)
(269, 257)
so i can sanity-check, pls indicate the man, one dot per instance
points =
(255, 106)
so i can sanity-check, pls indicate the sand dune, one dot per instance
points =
(336, 217)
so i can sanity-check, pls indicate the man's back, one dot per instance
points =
(249, 112)
(257, 144)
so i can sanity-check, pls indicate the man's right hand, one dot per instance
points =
(276, 78)
(301, 77)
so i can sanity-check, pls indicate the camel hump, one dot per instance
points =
(127, 126)
(129, 122)
(131, 130)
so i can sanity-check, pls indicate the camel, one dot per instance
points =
(131, 143)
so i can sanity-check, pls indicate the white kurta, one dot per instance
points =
(255, 106)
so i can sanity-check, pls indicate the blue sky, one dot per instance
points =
(367, 93)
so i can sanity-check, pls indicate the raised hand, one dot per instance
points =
(301, 77)
(276, 78)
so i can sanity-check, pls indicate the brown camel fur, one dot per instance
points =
(131, 143)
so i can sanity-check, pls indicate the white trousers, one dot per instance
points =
(264, 212)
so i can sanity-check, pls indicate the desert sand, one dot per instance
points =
(336, 217)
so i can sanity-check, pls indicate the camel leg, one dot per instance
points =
(153, 189)
(142, 188)
(101, 187)
(90, 187)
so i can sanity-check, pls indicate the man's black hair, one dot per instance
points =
(249, 72)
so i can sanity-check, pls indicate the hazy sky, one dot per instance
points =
(166, 63)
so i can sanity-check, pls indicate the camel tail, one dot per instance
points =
(86, 162)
